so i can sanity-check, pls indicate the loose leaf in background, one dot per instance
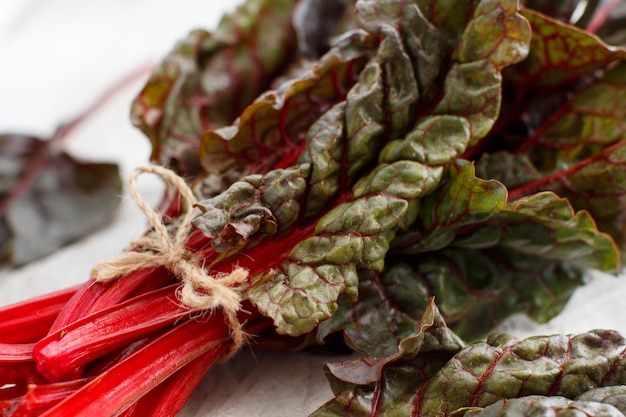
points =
(48, 198)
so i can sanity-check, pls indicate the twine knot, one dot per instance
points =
(199, 290)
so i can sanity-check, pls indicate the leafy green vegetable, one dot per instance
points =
(303, 290)
(444, 378)
(481, 257)
(537, 405)
(48, 198)
(578, 153)
(469, 151)
(210, 78)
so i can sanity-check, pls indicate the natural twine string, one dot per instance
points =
(199, 290)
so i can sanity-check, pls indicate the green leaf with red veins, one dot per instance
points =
(271, 131)
(479, 375)
(556, 232)
(482, 259)
(258, 205)
(495, 38)
(303, 289)
(536, 405)
(472, 213)
(559, 53)
(461, 200)
(324, 152)
(474, 289)
(209, 78)
(414, 361)
(578, 152)
(614, 395)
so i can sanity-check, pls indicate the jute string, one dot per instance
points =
(199, 290)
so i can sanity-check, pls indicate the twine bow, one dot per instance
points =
(199, 290)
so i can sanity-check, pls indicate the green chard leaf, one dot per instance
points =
(482, 259)
(426, 381)
(613, 395)
(417, 359)
(471, 213)
(355, 233)
(562, 59)
(578, 152)
(271, 131)
(560, 53)
(475, 290)
(209, 78)
(258, 205)
(536, 405)
(49, 199)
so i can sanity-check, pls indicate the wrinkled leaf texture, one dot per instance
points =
(443, 378)
(481, 257)
(573, 141)
(534, 405)
(48, 198)
(209, 78)
(405, 97)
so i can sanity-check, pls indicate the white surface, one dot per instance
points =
(56, 57)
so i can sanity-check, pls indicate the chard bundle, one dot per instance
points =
(405, 173)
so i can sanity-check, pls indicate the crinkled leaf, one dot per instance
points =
(431, 338)
(48, 198)
(482, 374)
(614, 395)
(474, 289)
(598, 402)
(578, 152)
(468, 212)
(257, 205)
(303, 290)
(535, 405)
(461, 201)
(270, 132)
(209, 78)
(482, 259)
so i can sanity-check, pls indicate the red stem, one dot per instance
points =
(29, 320)
(173, 393)
(76, 307)
(117, 388)
(40, 397)
(600, 15)
(105, 331)
(94, 296)
(16, 352)
(15, 377)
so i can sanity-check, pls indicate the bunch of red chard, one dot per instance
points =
(469, 152)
